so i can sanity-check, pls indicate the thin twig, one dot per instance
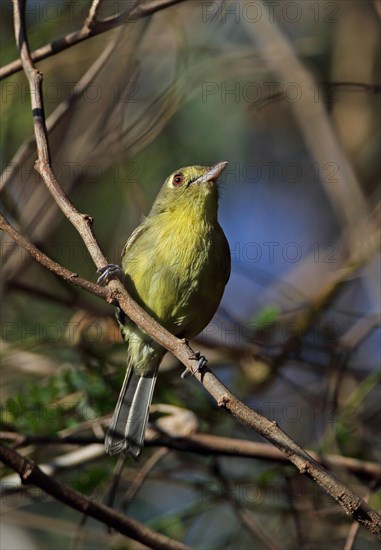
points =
(353, 530)
(53, 266)
(57, 115)
(92, 18)
(249, 521)
(142, 475)
(210, 445)
(130, 14)
(110, 499)
(295, 514)
(82, 222)
(346, 86)
(319, 302)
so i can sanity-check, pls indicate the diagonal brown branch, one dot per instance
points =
(53, 266)
(30, 473)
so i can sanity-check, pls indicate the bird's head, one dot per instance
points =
(193, 187)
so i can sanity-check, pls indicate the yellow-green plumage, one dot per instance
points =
(176, 265)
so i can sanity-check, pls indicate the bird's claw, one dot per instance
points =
(108, 273)
(201, 362)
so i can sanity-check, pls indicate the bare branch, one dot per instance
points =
(318, 303)
(208, 444)
(57, 116)
(93, 28)
(91, 19)
(211, 445)
(248, 520)
(142, 474)
(353, 531)
(53, 266)
(30, 473)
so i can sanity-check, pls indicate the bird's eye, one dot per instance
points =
(178, 179)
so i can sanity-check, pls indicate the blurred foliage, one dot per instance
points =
(183, 88)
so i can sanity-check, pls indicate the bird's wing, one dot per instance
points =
(138, 232)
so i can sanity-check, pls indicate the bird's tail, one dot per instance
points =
(129, 421)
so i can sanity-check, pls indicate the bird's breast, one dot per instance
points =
(177, 271)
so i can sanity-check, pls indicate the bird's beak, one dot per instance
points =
(213, 173)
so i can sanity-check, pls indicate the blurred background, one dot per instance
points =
(289, 94)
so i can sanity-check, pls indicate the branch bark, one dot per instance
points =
(209, 445)
(92, 27)
(30, 473)
(53, 266)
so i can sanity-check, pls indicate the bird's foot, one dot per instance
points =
(108, 273)
(201, 362)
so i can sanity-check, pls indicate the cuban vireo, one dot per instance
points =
(175, 265)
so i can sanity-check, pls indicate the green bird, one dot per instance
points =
(175, 265)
